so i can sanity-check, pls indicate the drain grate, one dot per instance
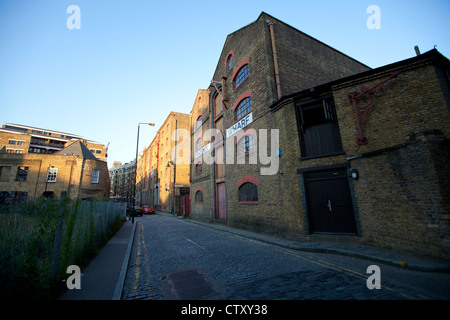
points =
(189, 285)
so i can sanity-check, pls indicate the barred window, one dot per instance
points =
(241, 75)
(199, 196)
(244, 107)
(248, 192)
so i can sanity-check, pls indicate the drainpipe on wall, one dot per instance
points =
(213, 153)
(37, 179)
(275, 59)
(224, 97)
(81, 177)
(224, 104)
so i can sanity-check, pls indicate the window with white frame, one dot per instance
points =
(51, 174)
(95, 176)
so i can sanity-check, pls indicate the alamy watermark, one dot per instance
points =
(74, 281)
(252, 144)
(74, 20)
(374, 280)
(374, 20)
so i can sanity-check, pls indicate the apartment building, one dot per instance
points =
(122, 177)
(17, 138)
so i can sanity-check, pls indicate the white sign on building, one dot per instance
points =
(245, 121)
(200, 152)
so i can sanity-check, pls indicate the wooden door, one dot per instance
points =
(329, 202)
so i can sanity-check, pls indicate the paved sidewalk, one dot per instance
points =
(104, 276)
(324, 245)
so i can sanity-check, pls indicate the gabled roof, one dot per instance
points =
(78, 149)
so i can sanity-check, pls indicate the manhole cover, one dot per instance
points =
(190, 284)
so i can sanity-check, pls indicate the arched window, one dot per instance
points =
(198, 123)
(241, 75)
(244, 107)
(199, 196)
(230, 62)
(248, 192)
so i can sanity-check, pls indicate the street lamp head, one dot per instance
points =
(151, 124)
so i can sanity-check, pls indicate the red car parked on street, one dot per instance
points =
(148, 209)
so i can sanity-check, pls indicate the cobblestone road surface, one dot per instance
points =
(174, 259)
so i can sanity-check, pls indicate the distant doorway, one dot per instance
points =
(48, 194)
(221, 202)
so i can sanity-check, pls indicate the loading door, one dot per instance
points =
(221, 202)
(329, 202)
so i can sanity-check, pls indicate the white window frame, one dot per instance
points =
(95, 176)
(51, 174)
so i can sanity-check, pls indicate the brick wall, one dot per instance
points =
(402, 195)
(401, 199)
(201, 180)
(407, 151)
(273, 213)
(156, 157)
(5, 138)
(73, 175)
(305, 62)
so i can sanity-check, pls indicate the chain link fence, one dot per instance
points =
(40, 238)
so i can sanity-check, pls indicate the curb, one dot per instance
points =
(123, 272)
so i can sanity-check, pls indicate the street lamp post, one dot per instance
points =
(135, 171)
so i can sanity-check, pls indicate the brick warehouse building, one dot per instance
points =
(159, 180)
(72, 172)
(259, 63)
(383, 178)
(379, 178)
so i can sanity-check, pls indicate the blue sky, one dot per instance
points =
(135, 61)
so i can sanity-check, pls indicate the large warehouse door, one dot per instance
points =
(329, 202)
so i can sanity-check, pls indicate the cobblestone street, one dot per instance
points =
(175, 259)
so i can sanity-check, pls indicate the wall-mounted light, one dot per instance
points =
(354, 174)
